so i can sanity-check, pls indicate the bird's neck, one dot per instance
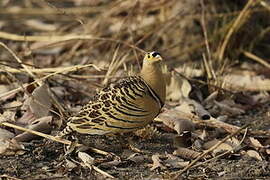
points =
(153, 76)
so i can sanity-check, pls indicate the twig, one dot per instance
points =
(221, 155)
(102, 172)
(9, 177)
(218, 124)
(266, 5)
(236, 25)
(205, 32)
(19, 61)
(47, 11)
(53, 138)
(208, 151)
(69, 69)
(67, 37)
(257, 59)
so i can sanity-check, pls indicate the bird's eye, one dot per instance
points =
(148, 56)
(155, 54)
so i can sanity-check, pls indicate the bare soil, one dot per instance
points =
(45, 159)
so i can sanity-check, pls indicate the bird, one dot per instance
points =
(127, 105)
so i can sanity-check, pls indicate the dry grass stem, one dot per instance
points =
(55, 38)
(257, 59)
(178, 174)
(102, 172)
(222, 154)
(60, 71)
(53, 138)
(239, 21)
(265, 4)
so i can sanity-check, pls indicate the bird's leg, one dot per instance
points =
(129, 143)
(70, 148)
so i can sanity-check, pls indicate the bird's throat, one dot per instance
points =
(153, 76)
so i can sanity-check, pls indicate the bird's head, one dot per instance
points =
(152, 57)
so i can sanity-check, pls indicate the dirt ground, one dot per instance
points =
(45, 159)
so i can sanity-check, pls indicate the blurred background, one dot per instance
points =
(226, 34)
(215, 52)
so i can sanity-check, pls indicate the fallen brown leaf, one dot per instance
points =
(4, 89)
(11, 147)
(176, 87)
(8, 116)
(5, 134)
(229, 108)
(183, 139)
(157, 162)
(255, 143)
(254, 154)
(177, 120)
(175, 162)
(86, 159)
(229, 145)
(41, 125)
(246, 82)
(110, 164)
(40, 102)
(12, 104)
(70, 165)
(186, 153)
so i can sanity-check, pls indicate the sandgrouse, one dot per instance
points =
(125, 106)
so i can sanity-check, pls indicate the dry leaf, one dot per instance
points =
(27, 118)
(255, 143)
(182, 125)
(70, 165)
(254, 154)
(192, 107)
(261, 97)
(5, 134)
(175, 162)
(267, 151)
(8, 116)
(203, 135)
(176, 87)
(189, 70)
(176, 120)
(222, 118)
(213, 96)
(222, 148)
(183, 139)
(110, 164)
(200, 110)
(229, 145)
(40, 101)
(137, 158)
(157, 162)
(12, 104)
(245, 82)
(228, 107)
(86, 159)
(186, 153)
(41, 125)
(37, 105)
(4, 95)
(11, 147)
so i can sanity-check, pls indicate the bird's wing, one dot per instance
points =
(124, 106)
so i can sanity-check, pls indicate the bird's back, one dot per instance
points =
(125, 106)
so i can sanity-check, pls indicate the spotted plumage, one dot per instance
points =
(125, 106)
